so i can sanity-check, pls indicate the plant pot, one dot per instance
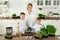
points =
(8, 36)
(14, 17)
(45, 36)
(51, 30)
(18, 17)
(36, 38)
(41, 16)
(52, 35)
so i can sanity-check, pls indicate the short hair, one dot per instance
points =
(22, 13)
(38, 18)
(30, 4)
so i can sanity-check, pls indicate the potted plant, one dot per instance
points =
(41, 16)
(38, 36)
(8, 36)
(14, 15)
(18, 17)
(55, 13)
(51, 30)
(44, 32)
(40, 8)
(5, 3)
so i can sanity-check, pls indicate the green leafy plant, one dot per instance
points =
(40, 8)
(18, 17)
(38, 36)
(41, 16)
(8, 36)
(44, 32)
(51, 29)
(14, 15)
(5, 2)
(55, 13)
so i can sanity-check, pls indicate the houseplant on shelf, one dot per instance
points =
(40, 8)
(55, 13)
(41, 16)
(14, 15)
(51, 30)
(17, 16)
(5, 3)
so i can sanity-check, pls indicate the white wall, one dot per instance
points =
(16, 6)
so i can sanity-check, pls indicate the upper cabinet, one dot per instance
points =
(39, 2)
(48, 3)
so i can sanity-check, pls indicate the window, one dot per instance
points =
(39, 2)
(56, 2)
(47, 2)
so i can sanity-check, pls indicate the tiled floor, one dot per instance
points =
(23, 38)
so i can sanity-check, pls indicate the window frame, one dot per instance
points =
(39, 2)
(47, 2)
(55, 2)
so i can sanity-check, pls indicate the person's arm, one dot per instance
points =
(33, 27)
(27, 24)
(18, 26)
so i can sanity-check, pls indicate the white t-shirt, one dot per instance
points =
(22, 25)
(37, 27)
(31, 17)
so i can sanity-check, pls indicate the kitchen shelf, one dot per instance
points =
(52, 18)
(19, 19)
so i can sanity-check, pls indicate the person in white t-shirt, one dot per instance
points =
(37, 26)
(22, 23)
(31, 15)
